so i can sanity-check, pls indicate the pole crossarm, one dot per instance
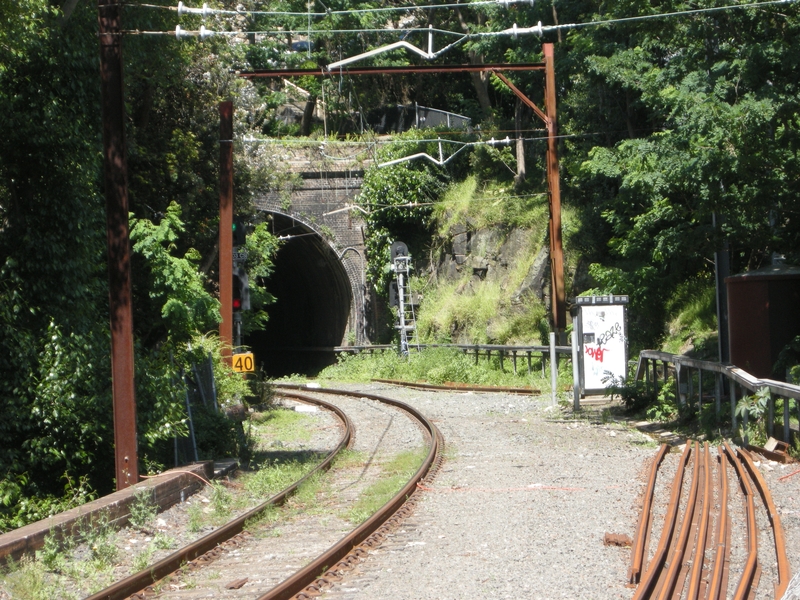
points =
(539, 113)
(399, 70)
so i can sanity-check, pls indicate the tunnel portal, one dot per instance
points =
(314, 299)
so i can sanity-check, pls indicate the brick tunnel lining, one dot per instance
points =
(314, 296)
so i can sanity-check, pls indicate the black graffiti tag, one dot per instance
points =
(609, 334)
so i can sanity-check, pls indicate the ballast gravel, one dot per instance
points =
(519, 509)
(522, 503)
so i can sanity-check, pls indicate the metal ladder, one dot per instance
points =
(405, 308)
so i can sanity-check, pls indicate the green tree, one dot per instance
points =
(700, 120)
(399, 202)
(55, 394)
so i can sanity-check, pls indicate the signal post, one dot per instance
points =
(226, 227)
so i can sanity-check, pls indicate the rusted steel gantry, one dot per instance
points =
(548, 116)
(115, 184)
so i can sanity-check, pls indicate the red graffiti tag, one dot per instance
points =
(596, 353)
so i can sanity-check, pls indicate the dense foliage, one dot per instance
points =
(56, 434)
(688, 144)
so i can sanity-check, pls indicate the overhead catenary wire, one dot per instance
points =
(203, 32)
(205, 11)
(539, 29)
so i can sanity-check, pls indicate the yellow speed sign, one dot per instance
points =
(244, 363)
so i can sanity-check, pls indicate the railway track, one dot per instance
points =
(295, 557)
(461, 387)
(721, 536)
(515, 497)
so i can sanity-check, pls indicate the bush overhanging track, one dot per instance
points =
(129, 586)
(687, 541)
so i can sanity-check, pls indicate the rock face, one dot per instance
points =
(490, 255)
(491, 258)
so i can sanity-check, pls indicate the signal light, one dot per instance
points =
(241, 290)
(239, 231)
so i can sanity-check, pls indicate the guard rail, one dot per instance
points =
(687, 370)
(477, 350)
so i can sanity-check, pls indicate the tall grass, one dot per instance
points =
(271, 478)
(489, 204)
(434, 365)
(282, 425)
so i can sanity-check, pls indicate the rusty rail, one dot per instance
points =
(334, 558)
(460, 387)
(784, 570)
(702, 534)
(641, 537)
(648, 582)
(679, 551)
(749, 572)
(138, 581)
(722, 554)
(688, 567)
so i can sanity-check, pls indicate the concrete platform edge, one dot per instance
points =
(168, 489)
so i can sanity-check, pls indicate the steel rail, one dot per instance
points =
(784, 569)
(679, 551)
(415, 69)
(749, 572)
(138, 581)
(641, 537)
(331, 558)
(459, 387)
(702, 534)
(722, 554)
(656, 565)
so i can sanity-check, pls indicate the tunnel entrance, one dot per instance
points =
(313, 303)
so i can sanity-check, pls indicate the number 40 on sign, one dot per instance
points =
(244, 363)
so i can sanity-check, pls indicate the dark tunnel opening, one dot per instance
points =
(313, 303)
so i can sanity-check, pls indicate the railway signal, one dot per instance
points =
(239, 232)
(241, 289)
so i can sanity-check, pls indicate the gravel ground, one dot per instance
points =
(786, 495)
(522, 503)
(519, 509)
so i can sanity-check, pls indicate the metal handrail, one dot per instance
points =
(735, 375)
(502, 351)
(492, 347)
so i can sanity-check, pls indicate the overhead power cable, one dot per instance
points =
(513, 31)
(204, 33)
(206, 11)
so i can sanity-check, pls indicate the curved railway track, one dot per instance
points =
(460, 387)
(234, 539)
(694, 556)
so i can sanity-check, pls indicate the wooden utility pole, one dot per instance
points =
(226, 227)
(119, 266)
(558, 299)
